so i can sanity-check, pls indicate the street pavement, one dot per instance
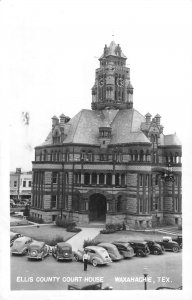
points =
(162, 270)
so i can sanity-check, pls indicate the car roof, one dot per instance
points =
(138, 241)
(94, 247)
(37, 244)
(107, 245)
(13, 233)
(23, 238)
(63, 244)
(121, 242)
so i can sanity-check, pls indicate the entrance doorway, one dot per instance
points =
(97, 207)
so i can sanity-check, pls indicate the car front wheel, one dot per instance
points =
(175, 249)
(156, 252)
(140, 253)
(94, 262)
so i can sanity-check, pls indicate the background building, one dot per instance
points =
(20, 185)
(111, 163)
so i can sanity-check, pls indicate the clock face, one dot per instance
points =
(101, 82)
(120, 82)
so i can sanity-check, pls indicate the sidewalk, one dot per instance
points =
(86, 233)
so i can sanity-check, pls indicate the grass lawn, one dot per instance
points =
(44, 233)
(130, 235)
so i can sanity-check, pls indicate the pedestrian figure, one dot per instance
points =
(85, 259)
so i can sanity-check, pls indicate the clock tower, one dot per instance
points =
(112, 88)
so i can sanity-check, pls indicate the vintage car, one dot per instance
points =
(140, 248)
(154, 247)
(112, 251)
(13, 237)
(20, 245)
(62, 251)
(169, 244)
(37, 250)
(97, 255)
(178, 240)
(124, 249)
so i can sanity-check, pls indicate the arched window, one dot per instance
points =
(109, 179)
(87, 179)
(117, 182)
(94, 178)
(119, 204)
(101, 178)
(136, 155)
(123, 181)
(141, 155)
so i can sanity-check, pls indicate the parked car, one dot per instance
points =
(13, 237)
(179, 240)
(37, 250)
(154, 248)
(97, 255)
(168, 244)
(12, 203)
(140, 248)
(112, 251)
(20, 245)
(62, 251)
(124, 249)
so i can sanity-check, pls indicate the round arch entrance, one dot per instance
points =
(97, 207)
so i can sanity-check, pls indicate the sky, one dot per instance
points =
(51, 52)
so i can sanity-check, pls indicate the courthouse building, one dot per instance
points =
(110, 163)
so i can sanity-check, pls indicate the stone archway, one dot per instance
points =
(97, 207)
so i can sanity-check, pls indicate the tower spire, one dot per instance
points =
(112, 88)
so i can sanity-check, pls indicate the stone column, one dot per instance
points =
(90, 178)
(113, 179)
(105, 178)
(82, 178)
(97, 178)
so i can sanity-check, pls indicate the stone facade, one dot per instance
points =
(109, 164)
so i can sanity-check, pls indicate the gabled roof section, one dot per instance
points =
(83, 128)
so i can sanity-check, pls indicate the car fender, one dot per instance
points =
(98, 259)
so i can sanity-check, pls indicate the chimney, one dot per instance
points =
(148, 118)
(62, 120)
(157, 118)
(55, 121)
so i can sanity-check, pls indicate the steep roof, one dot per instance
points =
(83, 128)
(171, 140)
(112, 50)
